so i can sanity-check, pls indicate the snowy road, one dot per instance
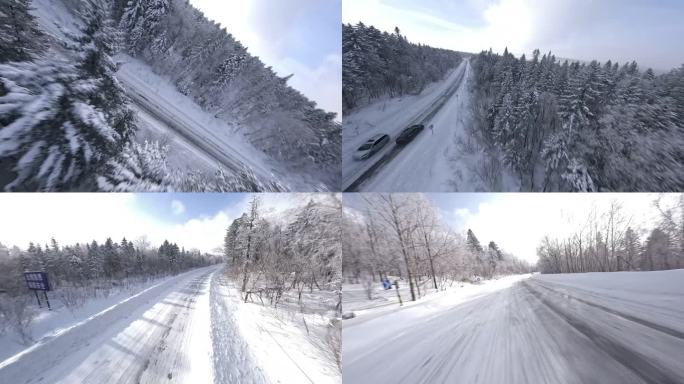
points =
(193, 132)
(557, 329)
(423, 164)
(164, 334)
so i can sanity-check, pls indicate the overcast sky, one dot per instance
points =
(649, 31)
(193, 220)
(300, 37)
(517, 222)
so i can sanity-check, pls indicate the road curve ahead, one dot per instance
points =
(534, 332)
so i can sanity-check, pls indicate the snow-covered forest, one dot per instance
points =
(611, 240)
(403, 235)
(66, 119)
(560, 125)
(376, 64)
(301, 251)
(81, 272)
(292, 260)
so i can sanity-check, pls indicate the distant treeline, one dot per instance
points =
(376, 63)
(608, 241)
(82, 265)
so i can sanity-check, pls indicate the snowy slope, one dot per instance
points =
(281, 349)
(389, 116)
(607, 328)
(198, 140)
(424, 164)
(187, 123)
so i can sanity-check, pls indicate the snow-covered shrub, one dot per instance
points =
(19, 314)
(72, 297)
(144, 168)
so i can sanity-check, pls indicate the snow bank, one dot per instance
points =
(50, 324)
(279, 342)
(389, 321)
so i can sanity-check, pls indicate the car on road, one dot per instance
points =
(370, 147)
(409, 133)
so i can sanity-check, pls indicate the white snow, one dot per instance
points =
(424, 164)
(278, 341)
(125, 342)
(200, 134)
(384, 318)
(625, 327)
(389, 116)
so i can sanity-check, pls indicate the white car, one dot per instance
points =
(370, 147)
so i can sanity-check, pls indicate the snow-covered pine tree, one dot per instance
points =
(97, 43)
(63, 122)
(20, 38)
(142, 20)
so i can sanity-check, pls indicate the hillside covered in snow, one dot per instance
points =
(149, 95)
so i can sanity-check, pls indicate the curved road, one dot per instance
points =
(534, 332)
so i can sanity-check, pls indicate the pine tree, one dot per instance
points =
(54, 139)
(96, 45)
(63, 123)
(473, 243)
(142, 21)
(20, 38)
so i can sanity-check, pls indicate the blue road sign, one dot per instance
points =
(37, 281)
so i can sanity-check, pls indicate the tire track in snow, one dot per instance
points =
(233, 362)
(624, 315)
(637, 363)
(421, 118)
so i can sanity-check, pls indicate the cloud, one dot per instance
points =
(177, 207)
(323, 84)
(83, 217)
(645, 31)
(517, 222)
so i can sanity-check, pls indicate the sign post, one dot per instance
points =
(38, 281)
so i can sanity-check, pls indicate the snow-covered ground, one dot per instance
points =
(290, 344)
(142, 338)
(191, 328)
(198, 140)
(198, 135)
(625, 327)
(425, 164)
(48, 324)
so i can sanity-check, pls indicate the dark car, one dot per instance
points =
(370, 147)
(409, 133)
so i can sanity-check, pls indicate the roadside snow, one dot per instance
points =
(142, 338)
(625, 327)
(279, 343)
(389, 116)
(389, 321)
(50, 324)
